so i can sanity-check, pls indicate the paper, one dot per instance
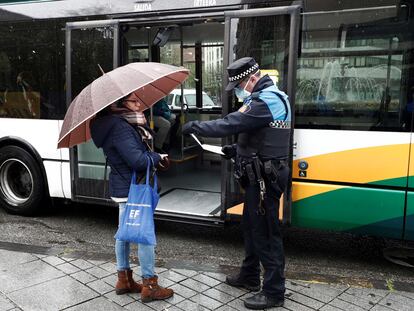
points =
(210, 148)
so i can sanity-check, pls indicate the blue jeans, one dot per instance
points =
(146, 253)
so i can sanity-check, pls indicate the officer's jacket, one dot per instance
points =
(263, 123)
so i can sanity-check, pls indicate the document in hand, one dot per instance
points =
(210, 148)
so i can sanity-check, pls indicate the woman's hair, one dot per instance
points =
(104, 112)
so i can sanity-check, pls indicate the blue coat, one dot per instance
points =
(124, 149)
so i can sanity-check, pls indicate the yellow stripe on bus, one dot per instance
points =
(358, 165)
(238, 209)
(304, 190)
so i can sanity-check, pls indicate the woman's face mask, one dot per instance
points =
(242, 94)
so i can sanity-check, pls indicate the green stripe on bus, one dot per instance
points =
(350, 209)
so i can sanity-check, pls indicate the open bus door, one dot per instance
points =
(271, 36)
(89, 44)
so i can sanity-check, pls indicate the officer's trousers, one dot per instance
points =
(263, 242)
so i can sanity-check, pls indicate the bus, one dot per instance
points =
(347, 67)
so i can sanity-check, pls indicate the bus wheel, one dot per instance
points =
(22, 187)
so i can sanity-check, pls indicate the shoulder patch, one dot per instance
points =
(245, 108)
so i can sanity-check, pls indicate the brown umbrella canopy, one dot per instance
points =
(149, 81)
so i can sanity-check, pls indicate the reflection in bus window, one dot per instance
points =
(350, 72)
(31, 70)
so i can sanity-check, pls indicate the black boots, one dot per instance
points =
(236, 281)
(260, 301)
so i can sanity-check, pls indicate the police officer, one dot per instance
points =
(263, 128)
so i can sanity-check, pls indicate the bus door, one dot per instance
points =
(91, 46)
(191, 188)
(271, 36)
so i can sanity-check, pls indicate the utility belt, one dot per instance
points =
(255, 171)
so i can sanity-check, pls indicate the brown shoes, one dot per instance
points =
(126, 283)
(152, 291)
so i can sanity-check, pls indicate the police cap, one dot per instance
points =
(239, 70)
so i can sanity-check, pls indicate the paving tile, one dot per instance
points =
(369, 294)
(39, 255)
(98, 272)
(27, 274)
(206, 280)
(122, 300)
(190, 283)
(53, 260)
(218, 295)
(305, 300)
(230, 290)
(5, 304)
(296, 284)
(344, 305)
(97, 262)
(380, 308)
(9, 259)
(67, 259)
(101, 287)
(206, 301)
(399, 298)
(188, 305)
(397, 302)
(226, 308)
(174, 308)
(159, 305)
(294, 306)
(68, 268)
(108, 266)
(183, 290)
(99, 303)
(322, 292)
(176, 298)
(277, 309)
(358, 301)
(137, 305)
(218, 276)
(173, 276)
(330, 308)
(53, 295)
(83, 277)
(111, 279)
(82, 264)
(159, 270)
(185, 272)
(165, 282)
(238, 304)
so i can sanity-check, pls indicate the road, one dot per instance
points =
(310, 255)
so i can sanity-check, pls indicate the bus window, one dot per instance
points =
(350, 71)
(31, 70)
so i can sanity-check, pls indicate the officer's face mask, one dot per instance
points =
(242, 94)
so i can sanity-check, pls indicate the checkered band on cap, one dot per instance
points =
(244, 73)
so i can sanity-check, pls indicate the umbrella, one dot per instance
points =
(149, 81)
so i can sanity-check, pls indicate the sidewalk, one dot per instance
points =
(36, 279)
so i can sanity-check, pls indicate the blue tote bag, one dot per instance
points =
(137, 223)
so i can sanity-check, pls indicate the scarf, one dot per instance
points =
(136, 119)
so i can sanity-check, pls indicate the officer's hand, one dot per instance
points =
(229, 151)
(187, 128)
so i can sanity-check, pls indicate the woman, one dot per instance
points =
(119, 130)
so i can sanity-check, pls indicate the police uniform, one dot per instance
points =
(263, 128)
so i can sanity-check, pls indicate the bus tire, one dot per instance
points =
(22, 187)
